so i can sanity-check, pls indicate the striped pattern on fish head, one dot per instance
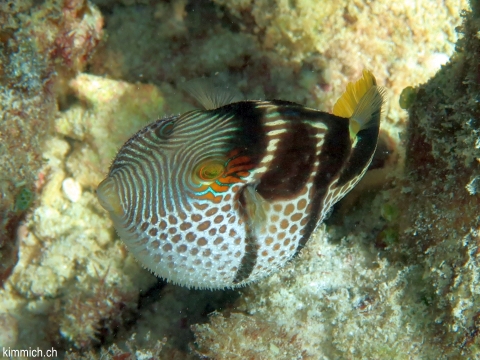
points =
(173, 193)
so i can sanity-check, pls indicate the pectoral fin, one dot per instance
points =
(256, 210)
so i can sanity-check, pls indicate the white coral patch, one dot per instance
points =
(72, 189)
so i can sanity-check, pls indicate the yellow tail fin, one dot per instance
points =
(360, 102)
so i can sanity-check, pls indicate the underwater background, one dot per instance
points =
(393, 274)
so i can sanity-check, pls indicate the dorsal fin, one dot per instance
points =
(209, 95)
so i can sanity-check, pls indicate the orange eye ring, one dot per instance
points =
(210, 170)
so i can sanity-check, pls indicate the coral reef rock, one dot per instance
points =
(41, 45)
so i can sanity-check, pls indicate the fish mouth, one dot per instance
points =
(108, 197)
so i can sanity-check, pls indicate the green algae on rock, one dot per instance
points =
(23, 200)
(407, 97)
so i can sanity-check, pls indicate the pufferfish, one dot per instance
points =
(222, 197)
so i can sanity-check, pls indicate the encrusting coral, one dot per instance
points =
(337, 39)
(37, 42)
(442, 167)
(70, 271)
(246, 337)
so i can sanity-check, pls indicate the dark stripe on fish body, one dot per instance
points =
(249, 259)
(361, 153)
(292, 163)
(334, 153)
(250, 137)
(285, 103)
(248, 262)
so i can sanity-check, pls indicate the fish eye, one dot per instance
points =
(210, 170)
(164, 130)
